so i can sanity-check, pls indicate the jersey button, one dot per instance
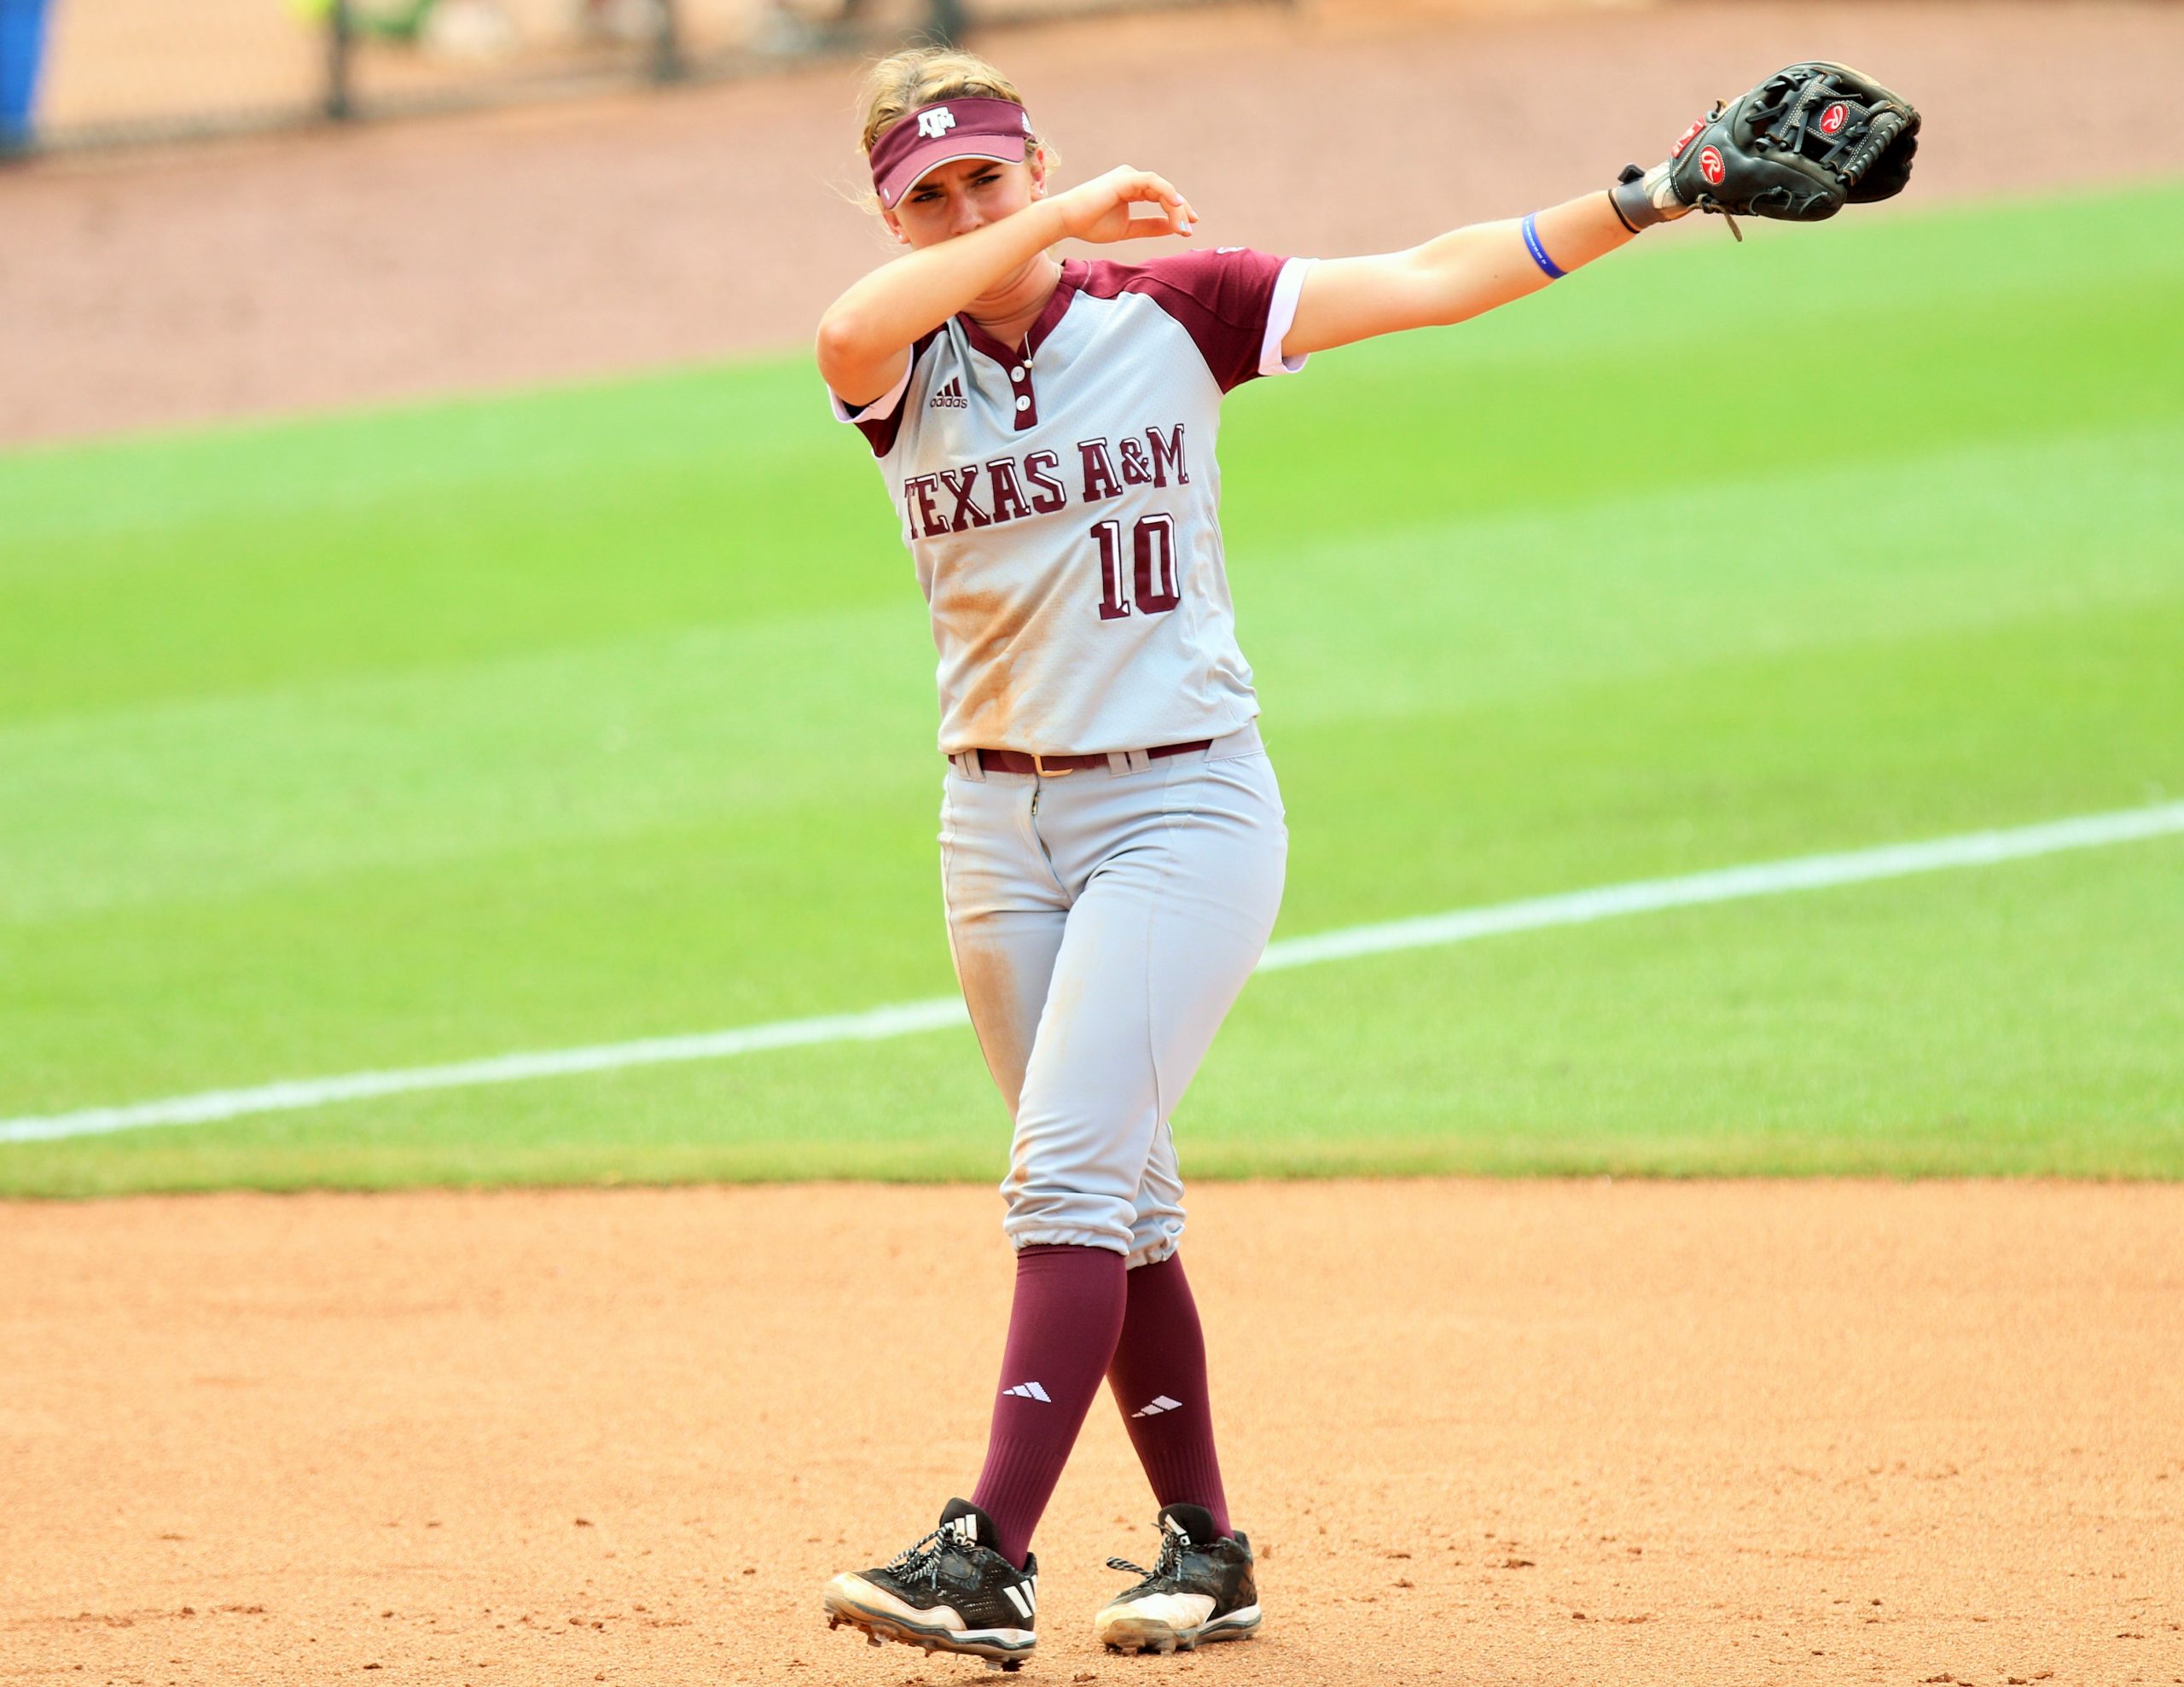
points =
(1024, 404)
(1016, 374)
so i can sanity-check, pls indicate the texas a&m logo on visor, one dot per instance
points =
(1709, 166)
(1833, 120)
(933, 124)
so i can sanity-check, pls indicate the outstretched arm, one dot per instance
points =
(1451, 278)
(1798, 147)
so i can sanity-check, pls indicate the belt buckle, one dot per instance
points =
(1039, 766)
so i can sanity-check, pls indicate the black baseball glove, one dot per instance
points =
(1800, 146)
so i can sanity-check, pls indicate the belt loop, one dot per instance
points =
(1118, 761)
(968, 765)
(1139, 760)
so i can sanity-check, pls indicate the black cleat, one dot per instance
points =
(1199, 1589)
(948, 1593)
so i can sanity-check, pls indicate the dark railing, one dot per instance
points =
(78, 74)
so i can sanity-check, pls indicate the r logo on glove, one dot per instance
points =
(1801, 145)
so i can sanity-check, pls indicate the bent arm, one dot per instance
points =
(1449, 279)
(866, 336)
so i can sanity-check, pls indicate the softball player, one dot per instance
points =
(1113, 838)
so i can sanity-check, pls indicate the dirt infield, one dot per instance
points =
(441, 257)
(1509, 1434)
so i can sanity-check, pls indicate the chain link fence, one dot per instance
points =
(88, 73)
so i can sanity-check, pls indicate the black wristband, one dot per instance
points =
(1632, 203)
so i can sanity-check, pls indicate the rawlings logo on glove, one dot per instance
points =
(1800, 146)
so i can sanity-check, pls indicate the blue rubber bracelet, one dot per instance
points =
(1539, 252)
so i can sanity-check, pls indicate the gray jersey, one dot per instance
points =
(1060, 501)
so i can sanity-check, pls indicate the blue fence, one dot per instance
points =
(22, 47)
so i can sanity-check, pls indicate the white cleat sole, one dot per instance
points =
(1005, 1648)
(1123, 1632)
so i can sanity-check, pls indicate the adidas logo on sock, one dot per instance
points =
(1160, 1403)
(1030, 1391)
(950, 397)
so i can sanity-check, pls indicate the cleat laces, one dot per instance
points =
(1166, 1568)
(922, 1557)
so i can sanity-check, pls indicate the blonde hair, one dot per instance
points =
(902, 82)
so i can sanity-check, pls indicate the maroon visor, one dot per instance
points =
(935, 134)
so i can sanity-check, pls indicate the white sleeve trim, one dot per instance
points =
(1280, 313)
(881, 407)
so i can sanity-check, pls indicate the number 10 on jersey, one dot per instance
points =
(1151, 566)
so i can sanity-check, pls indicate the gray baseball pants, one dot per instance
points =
(1103, 922)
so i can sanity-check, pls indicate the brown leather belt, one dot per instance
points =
(1015, 761)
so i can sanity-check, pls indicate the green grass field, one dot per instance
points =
(400, 738)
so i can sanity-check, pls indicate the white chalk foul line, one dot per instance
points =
(1732, 884)
(212, 1105)
(1570, 908)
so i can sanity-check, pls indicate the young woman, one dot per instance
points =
(1113, 839)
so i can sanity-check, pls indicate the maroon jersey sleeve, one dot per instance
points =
(1225, 298)
(881, 420)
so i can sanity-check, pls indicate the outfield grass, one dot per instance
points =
(397, 738)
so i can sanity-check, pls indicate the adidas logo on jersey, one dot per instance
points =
(1160, 1403)
(950, 397)
(1030, 1391)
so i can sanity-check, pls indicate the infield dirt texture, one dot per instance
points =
(568, 718)
(1495, 1434)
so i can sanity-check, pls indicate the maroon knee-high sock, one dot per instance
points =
(1158, 1377)
(1062, 1327)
